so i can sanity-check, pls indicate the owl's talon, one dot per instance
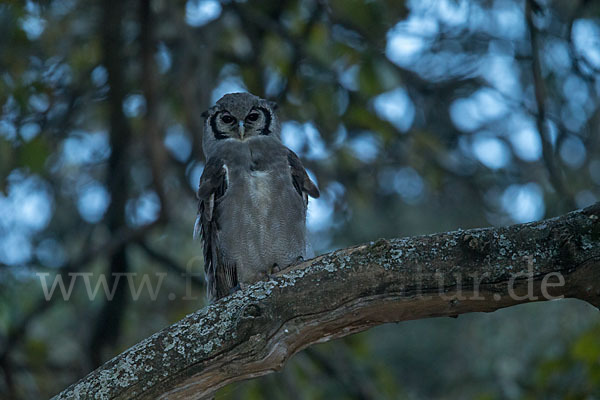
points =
(270, 274)
(299, 260)
(273, 270)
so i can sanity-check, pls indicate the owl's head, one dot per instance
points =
(239, 116)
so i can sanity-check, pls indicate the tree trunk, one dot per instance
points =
(255, 331)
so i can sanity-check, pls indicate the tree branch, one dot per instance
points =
(554, 172)
(255, 331)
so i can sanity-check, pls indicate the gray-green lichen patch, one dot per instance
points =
(587, 243)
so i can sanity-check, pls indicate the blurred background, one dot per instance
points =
(413, 116)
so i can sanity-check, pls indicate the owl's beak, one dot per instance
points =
(241, 129)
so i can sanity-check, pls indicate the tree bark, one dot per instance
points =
(253, 332)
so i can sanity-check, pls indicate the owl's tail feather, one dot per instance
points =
(226, 279)
(197, 227)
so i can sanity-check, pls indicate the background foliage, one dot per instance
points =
(413, 116)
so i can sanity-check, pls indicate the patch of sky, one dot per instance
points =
(320, 214)
(10, 109)
(178, 143)
(134, 105)
(194, 172)
(396, 107)
(409, 38)
(365, 146)
(304, 139)
(453, 13)
(15, 248)
(503, 74)
(490, 150)
(551, 131)
(586, 34)
(99, 76)
(27, 208)
(274, 82)
(508, 18)
(142, 210)
(82, 147)
(28, 204)
(163, 58)
(7, 130)
(228, 84)
(572, 152)
(464, 115)
(573, 117)
(201, 12)
(485, 105)
(575, 90)
(556, 56)
(340, 136)
(29, 130)
(404, 181)
(39, 102)
(524, 203)
(524, 138)
(32, 23)
(348, 77)
(92, 201)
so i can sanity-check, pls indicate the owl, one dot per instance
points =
(253, 196)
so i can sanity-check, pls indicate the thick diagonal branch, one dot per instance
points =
(255, 331)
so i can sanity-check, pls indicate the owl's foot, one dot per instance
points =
(273, 270)
(235, 289)
(299, 260)
(270, 274)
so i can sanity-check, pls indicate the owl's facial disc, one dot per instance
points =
(234, 122)
(223, 125)
(257, 122)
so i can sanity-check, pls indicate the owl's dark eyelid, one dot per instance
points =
(228, 119)
(252, 117)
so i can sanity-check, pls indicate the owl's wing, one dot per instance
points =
(220, 278)
(304, 186)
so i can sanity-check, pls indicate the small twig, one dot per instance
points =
(170, 264)
(548, 154)
(152, 122)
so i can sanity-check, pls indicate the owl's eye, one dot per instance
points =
(228, 119)
(252, 117)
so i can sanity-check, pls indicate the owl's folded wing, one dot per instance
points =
(304, 186)
(213, 184)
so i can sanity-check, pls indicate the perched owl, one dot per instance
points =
(252, 195)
